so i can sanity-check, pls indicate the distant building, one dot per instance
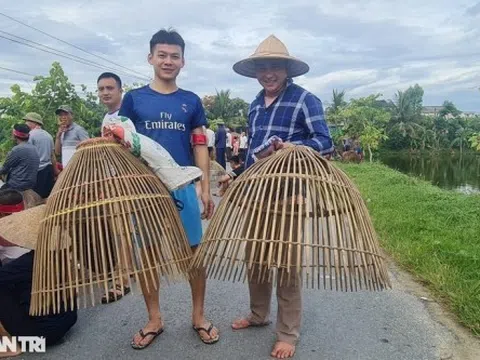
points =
(435, 110)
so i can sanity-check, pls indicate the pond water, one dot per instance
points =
(448, 170)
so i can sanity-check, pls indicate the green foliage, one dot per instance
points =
(431, 232)
(49, 92)
(221, 107)
(365, 121)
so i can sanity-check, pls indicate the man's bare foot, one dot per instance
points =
(208, 333)
(145, 337)
(246, 322)
(283, 350)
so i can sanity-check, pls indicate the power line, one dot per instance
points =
(16, 71)
(70, 56)
(70, 44)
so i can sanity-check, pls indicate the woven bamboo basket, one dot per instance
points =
(108, 217)
(294, 213)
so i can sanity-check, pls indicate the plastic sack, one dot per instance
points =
(157, 157)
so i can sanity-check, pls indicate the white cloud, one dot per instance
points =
(369, 46)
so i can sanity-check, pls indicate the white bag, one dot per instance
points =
(157, 157)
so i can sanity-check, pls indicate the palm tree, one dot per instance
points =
(338, 103)
(460, 139)
(403, 118)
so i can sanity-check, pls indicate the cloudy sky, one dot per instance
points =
(362, 46)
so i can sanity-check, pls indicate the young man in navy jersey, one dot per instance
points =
(174, 118)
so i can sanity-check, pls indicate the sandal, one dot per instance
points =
(111, 294)
(154, 335)
(208, 331)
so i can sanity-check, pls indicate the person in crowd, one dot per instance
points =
(225, 180)
(16, 286)
(175, 118)
(109, 88)
(211, 142)
(220, 144)
(22, 162)
(243, 146)
(43, 141)
(294, 115)
(69, 134)
(229, 145)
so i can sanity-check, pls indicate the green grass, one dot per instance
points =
(433, 233)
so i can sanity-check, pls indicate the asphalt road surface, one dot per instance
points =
(391, 325)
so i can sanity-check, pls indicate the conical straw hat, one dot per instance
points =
(22, 228)
(271, 49)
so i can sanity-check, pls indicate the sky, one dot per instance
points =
(360, 46)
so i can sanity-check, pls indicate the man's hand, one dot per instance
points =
(61, 130)
(284, 145)
(208, 205)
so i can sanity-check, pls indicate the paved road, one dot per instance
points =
(392, 325)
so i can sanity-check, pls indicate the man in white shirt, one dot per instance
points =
(109, 86)
(211, 141)
(110, 91)
(229, 145)
(243, 146)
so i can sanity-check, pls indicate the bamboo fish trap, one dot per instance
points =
(109, 216)
(293, 218)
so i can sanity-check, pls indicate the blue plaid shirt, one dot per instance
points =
(296, 116)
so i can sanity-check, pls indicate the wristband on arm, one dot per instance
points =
(199, 139)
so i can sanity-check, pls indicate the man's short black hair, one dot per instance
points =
(169, 37)
(110, 75)
(235, 159)
(23, 131)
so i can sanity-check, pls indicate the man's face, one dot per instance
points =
(109, 92)
(167, 61)
(65, 118)
(271, 74)
(31, 125)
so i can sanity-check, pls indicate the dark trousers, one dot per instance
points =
(17, 322)
(14, 305)
(243, 154)
(45, 181)
(221, 157)
(229, 153)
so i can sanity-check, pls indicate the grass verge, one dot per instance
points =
(433, 233)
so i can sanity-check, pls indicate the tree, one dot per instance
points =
(366, 122)
(449, 108)
(334, 110)
(48, 94)
(233, 112)
(475, 141)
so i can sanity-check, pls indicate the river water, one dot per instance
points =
(448, 170)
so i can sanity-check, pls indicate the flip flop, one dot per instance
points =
(208, 331)
(111, 295)
(154, 335)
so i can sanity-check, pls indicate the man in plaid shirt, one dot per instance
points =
(287, 115)
(288, 111)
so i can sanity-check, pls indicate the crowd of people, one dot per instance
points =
(175, 118)
(223, 144)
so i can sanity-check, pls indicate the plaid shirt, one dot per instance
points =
(296, 116)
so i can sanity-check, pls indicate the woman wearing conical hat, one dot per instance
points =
(19, 233)
(293, 116)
